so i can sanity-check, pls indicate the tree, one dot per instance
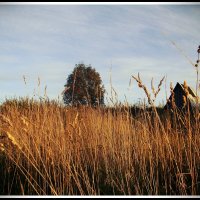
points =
(84, 87)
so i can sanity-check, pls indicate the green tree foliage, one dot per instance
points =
(84, 87)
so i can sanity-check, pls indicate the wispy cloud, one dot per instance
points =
(48, 41)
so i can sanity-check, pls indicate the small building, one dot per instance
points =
(180, 94)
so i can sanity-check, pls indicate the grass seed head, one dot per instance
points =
(185, 86)
(12, 139)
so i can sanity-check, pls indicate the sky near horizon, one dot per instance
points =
(46, 41)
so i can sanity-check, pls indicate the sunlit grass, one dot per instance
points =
(47, 148)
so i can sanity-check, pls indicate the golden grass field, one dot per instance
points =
(50, 149)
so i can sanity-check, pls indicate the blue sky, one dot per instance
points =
(46, 41)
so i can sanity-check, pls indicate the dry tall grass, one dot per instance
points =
(47, 148)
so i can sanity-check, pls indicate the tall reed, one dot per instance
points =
(49, 149)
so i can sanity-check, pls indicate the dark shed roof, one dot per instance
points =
(179, 92)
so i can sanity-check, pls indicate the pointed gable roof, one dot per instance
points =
(192, 97)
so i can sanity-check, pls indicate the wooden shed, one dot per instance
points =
(179, 94)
